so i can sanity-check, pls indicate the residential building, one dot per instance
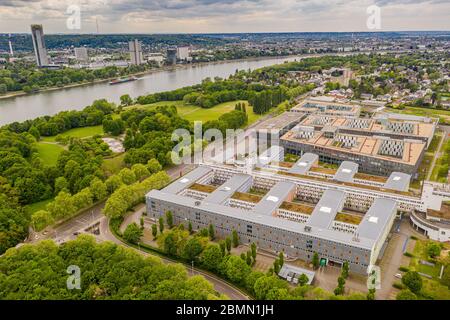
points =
(81, 54)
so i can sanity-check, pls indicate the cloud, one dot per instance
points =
(223, 15)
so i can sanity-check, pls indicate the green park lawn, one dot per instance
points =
(34, 207)
(444, 115)
(78, 133)
(113, 165)
(195, 113)
(49, 152)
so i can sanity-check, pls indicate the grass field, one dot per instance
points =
(195, 113)
(34, 207)
(113, 165)
(444, 115)
(49, 152)
(78, 133)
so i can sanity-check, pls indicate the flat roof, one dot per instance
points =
(376, 219)
(187, 180)
(346, 171)
(304, 163)
(326, 209)
(295, 272)
(270, 154)
(274, 198)
(368, 146)
(239, 182)
(280, 122)
(398, 181)
(268, 220)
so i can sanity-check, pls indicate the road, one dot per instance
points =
(393, 257)
(68, 230)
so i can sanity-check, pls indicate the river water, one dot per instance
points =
(21, 108)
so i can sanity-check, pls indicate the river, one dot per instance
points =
(31, 106)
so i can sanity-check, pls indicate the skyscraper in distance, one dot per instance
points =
(37, 34)
(136, 52)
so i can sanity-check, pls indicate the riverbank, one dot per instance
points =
(144, 73)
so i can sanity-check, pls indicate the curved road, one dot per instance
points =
(78, 224)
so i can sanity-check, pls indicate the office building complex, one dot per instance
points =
(380, 145)
(136, 52)
(300, 209)
(37, 34)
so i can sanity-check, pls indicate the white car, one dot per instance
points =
(398, 275)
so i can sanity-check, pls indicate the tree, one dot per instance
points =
(125, 100)
(153, 166)
(413, 281)
(169, 219)
(192, 249)
(190, 227)
(235, 238)
(345, 269)
(35, 133)
(113, 183)
(212, 257)
(235, 269)
(61, 184)
(433, 249)
(211, 232)
(406, 295)
(276, 266)
(223, 247)
(127, 176)
(228, 244)
(161, 224)
(315, 260)
(253, 248)
(340, 288)
(41, 219)
(266, 283)
(303, 279)
(154, 231)
(371, 294)
(248, 258)
(140, 171)
(133, 233)
(281, 258)
(98, 189)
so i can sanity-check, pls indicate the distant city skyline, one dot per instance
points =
(221, 16)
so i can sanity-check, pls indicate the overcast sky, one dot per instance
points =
(208, 16)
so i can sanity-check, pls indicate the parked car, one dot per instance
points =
(398, 275)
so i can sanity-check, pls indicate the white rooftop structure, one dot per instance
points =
(305, 163)
(398, 181)
(346, 171)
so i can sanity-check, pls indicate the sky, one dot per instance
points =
(222, 16)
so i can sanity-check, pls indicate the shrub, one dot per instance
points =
(404, 269)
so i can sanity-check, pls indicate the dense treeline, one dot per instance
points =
(23, 42)
(210, 93)
(185, 244)
(108, 271)
(26, 77)
(65, 120)
(149, 134)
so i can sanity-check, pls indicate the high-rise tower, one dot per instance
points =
(136, 52)
(40, 51)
